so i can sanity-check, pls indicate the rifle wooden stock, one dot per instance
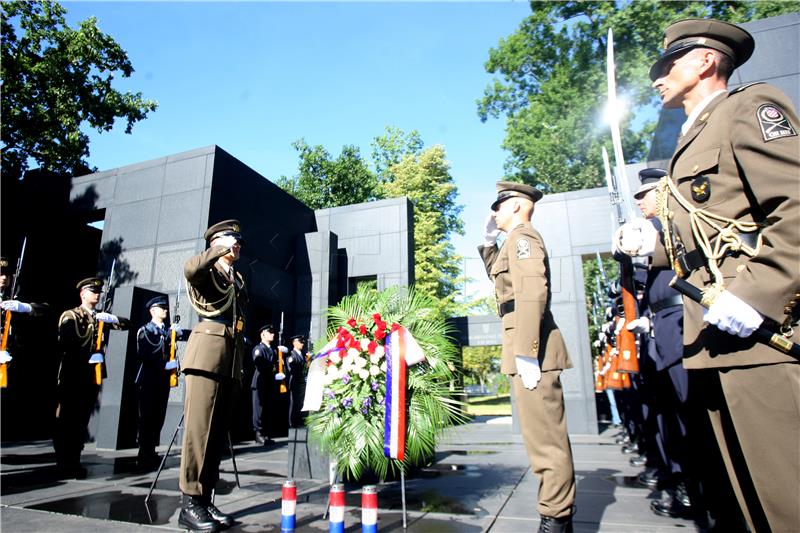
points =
(173, 374)
(98, 367)
(626, 340)
(4, 347)
(613, 377)
(762, 334)
(283, 388)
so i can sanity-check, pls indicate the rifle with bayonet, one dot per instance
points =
(619, 192)
(173, 335)
(7, 319)
(104, 305)
(283, 389)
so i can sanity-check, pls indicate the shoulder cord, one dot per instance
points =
(66, 315)
(726, 240)
(158, 344)
(229, 295)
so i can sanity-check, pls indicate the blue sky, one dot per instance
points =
(252, 77)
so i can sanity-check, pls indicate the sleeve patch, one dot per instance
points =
(774, 124)
(523, 249)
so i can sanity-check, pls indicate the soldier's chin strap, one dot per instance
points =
(727, 241)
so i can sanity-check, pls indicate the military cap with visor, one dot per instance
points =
(510, 189)
(93, 284)
(225, 228)
(158, 301)
(684, 35)
(299, 338)
(649, 178)
(268, 327)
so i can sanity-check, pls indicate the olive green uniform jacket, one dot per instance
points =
(521, 272)
(724, 165)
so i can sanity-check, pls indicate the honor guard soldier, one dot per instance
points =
(153, 377)
(731, 212)
(8, 303)
(212, 368)
(296, 381)
(77, 387)
(534, 353)
(265, 383)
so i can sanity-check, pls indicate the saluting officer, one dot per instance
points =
(77, 390)
(296, 381)
(731, 215)
(265, 383)
(153, 377)
(212, 367)
(534, 353)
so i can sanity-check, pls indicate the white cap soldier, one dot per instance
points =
(736, 164)
(534, 353)
(77, 389)
(153, 378)
(213, 362)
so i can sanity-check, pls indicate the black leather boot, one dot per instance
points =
(195, 516)
(550, 524)
(260, 438)
(224, 520)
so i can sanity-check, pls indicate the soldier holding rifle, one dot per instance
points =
(79, 335)
(731, 212)
(212, 367)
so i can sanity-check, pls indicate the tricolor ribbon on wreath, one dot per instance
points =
(401, 351)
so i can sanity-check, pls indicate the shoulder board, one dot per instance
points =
(746, 86)
(67, 315)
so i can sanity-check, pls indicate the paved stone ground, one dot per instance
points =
(479, 482)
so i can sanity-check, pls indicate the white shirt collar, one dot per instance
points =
(699, 109)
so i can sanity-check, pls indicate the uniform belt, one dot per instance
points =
(672, 301)
(690, 261)
(506, 307)
(217, 320)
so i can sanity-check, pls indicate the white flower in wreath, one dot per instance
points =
(352, 353)
(374, 359)
(383, 366)
(374, 370)
(335, 358)
(363, 373)
(364, 344)
(359, 362)
(379, 351)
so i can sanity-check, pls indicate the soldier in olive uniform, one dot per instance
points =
(77, 389)
(534, 353)
(153, 377)
(731, 220)
(212, 367)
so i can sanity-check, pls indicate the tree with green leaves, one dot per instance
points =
(57, 79)
(425, 179)
(402, 167)
(480, 362)
(550, 82)
(323, 181)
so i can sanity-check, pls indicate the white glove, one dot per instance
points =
(107, 317)
(529, 370)
(96, 358)
(490, 231)
(16, 306)
(637, 237)
(171, 365)
(227, 241)
(640, 325)
(618, 328)
(280, 376)
(5, 357)
(283, 349)
(175, 327)
(732, 315)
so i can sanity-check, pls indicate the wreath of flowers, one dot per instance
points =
(350, 422)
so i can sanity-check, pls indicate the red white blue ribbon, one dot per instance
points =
(402, 350)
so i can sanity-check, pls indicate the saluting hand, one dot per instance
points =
(490, 231)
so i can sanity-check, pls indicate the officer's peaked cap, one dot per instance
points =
(510, 189)
(226, 227)
(266, 327)
(649, 178)
(301, 338)
(93, 284)
(686, 34)
(158, 301)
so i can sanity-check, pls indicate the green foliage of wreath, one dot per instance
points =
(350, 424)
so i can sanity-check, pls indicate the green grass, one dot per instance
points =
(499, 405)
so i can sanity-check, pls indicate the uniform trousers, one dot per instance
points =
(77, 399)
(755, 415)
(544, 432)
(206, 416)
(153, 400)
